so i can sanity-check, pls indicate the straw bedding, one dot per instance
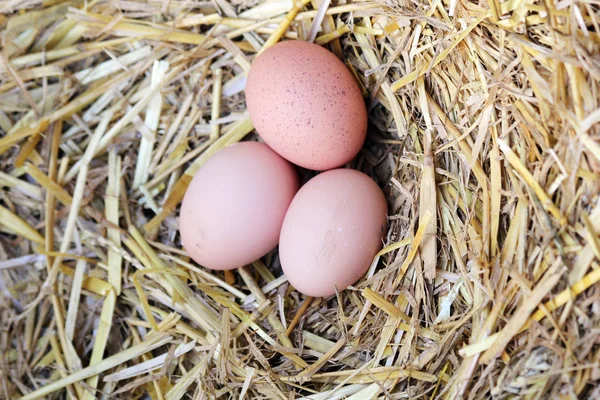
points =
(484, 134)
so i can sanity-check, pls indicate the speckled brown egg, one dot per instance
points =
(332, 231)
(233, 209)
(306, 105)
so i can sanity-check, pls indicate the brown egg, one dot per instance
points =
(232, 211)
(306, 105)
(332, 231)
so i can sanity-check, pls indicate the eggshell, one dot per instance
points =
(306, 105)
(331, 232)
(232, 212)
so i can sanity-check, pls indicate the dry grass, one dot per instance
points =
(484, 134)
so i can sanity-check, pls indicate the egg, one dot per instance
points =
(332, 231)
(233, 209)
(306, 105)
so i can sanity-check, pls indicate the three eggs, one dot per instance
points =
(307, 107)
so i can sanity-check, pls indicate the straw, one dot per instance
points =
(484, 135)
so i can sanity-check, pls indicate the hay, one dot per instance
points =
(484, 134)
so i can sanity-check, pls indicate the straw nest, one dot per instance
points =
(484, 135)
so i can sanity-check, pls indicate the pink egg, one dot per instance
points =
(306, 105)
(233, 210)
(332, 231)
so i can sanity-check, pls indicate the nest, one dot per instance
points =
(484, 134)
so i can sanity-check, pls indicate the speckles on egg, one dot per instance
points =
(306, 105)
